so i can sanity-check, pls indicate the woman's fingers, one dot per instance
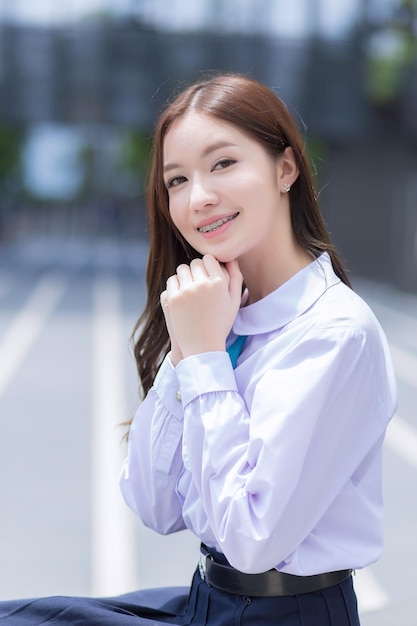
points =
(172, 286)
(212, 267)
(184, 275)
(236, 279)
(201, 270)
(198, 270)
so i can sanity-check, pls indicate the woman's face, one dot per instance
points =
(225, 191)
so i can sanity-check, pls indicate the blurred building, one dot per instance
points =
(103, 76)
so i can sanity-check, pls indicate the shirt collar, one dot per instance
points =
(289, 301)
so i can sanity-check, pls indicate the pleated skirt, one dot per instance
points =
(199, 606)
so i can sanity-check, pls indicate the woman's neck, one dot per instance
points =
(264, 273)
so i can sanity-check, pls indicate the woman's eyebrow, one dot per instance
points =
(207, 150)
(216, 146)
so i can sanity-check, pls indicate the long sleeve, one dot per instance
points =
(154, 461)
(267, 478)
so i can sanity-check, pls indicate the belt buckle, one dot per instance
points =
(202, 568)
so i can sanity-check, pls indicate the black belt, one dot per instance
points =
(267, 584)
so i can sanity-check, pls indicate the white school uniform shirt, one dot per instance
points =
(276, 463)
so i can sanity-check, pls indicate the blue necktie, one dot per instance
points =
(236, 348)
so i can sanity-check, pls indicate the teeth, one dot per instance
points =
(216, 224)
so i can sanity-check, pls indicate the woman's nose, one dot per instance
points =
(202, 195)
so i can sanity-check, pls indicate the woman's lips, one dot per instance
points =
(216, 224)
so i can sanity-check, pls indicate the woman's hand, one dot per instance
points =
(175, 354)
(200, 304)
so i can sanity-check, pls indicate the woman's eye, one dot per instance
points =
(221, 165)
(174, 182)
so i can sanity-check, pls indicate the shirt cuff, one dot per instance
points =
(204, 373)
(167, 388)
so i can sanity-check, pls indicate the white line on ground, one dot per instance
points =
(371, 596)
(113, 562)
(6, 284)
(27, 326)
(405, 364)
(402, 439)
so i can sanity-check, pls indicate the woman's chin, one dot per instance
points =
(222, 256)
(225, 257)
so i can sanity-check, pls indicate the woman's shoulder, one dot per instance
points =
(341, 307)
(339, 322)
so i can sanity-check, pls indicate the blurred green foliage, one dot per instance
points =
(136, 152)
(392, 54)
(12, 141)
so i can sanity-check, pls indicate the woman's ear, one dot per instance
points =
(287, 170)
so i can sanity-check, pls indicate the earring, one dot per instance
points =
(286, 187)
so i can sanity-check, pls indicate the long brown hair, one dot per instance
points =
(261, 114)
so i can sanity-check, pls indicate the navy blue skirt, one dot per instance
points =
(199, 606)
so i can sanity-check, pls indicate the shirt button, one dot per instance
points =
(178, 395)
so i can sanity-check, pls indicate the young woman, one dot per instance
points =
(268, 381)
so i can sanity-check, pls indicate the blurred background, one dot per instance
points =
(81, 84)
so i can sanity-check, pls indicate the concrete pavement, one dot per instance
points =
(67, 380)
